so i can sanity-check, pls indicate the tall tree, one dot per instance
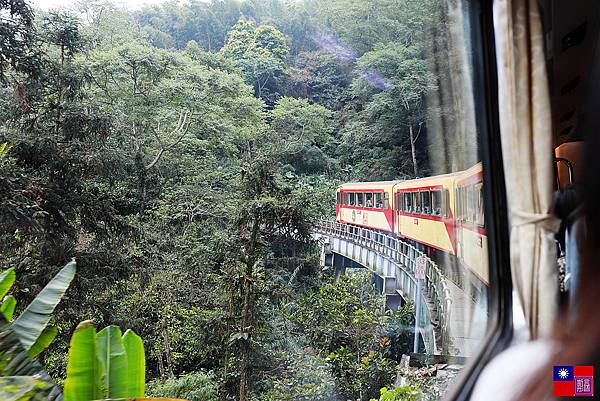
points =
(394, 81)
(320, 77)
(270, 212)
(16, 36)
(306, 130)
(260, 52)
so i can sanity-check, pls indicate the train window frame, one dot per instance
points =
(416, 198)
(386, 200)
(378, 200)
(437, 211)
(359, 199)
(369, 199)
(425, 202)
(351, 199)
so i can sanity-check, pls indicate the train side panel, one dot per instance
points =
(425, 211)
(366, 204)
(471, 232)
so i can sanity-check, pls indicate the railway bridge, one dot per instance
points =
(403, 273)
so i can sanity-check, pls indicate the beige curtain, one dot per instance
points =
(525, 125)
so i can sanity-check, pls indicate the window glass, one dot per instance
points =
(378, 201)
(438, 105)
(386, 200)
(471, 204)
(426, 202)
(407, 202)
(460, 203)
(351, 198)
(418, 208)
(480, 215)
(359, 199)
(436, 203)
(368, 199)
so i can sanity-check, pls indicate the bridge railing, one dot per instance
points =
(405, 257)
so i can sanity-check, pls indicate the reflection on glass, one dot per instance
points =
(421, 93)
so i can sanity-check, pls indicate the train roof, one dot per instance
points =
(363, 184)
(374, 184)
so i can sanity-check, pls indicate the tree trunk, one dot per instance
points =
(247, 323)
(245, 348)
(412, 149)
(168, 353)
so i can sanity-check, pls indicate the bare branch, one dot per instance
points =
(180, 130)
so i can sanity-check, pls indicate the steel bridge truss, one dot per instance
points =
(395, 262)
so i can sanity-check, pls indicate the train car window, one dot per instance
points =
(386, 200)
(359, 199)
(480, 219)
(426, 202)
(437, 204)
(471, 204)
(406, 202)
(368, 199)
(418, 208)
(378, 200)
(350, 198)
(464, 211)
(458, 204)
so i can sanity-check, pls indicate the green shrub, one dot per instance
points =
(197, 386)
(404, 393)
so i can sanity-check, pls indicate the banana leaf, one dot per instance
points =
(43, 341)
(32, 322)
(83, 381)
(21, 388)
(14, 361)
(8, 307)
(136, 364)
(7, 278)
(114, 362)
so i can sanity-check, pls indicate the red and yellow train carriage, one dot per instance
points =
(443, 212)
(425, 211)
(471, 234)
(366, 204)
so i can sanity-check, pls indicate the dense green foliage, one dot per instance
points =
(406, 393)
(182, 154)
(197, 386)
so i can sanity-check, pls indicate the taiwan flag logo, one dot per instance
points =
(572, 381)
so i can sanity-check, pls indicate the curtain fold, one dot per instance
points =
(526, 135)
